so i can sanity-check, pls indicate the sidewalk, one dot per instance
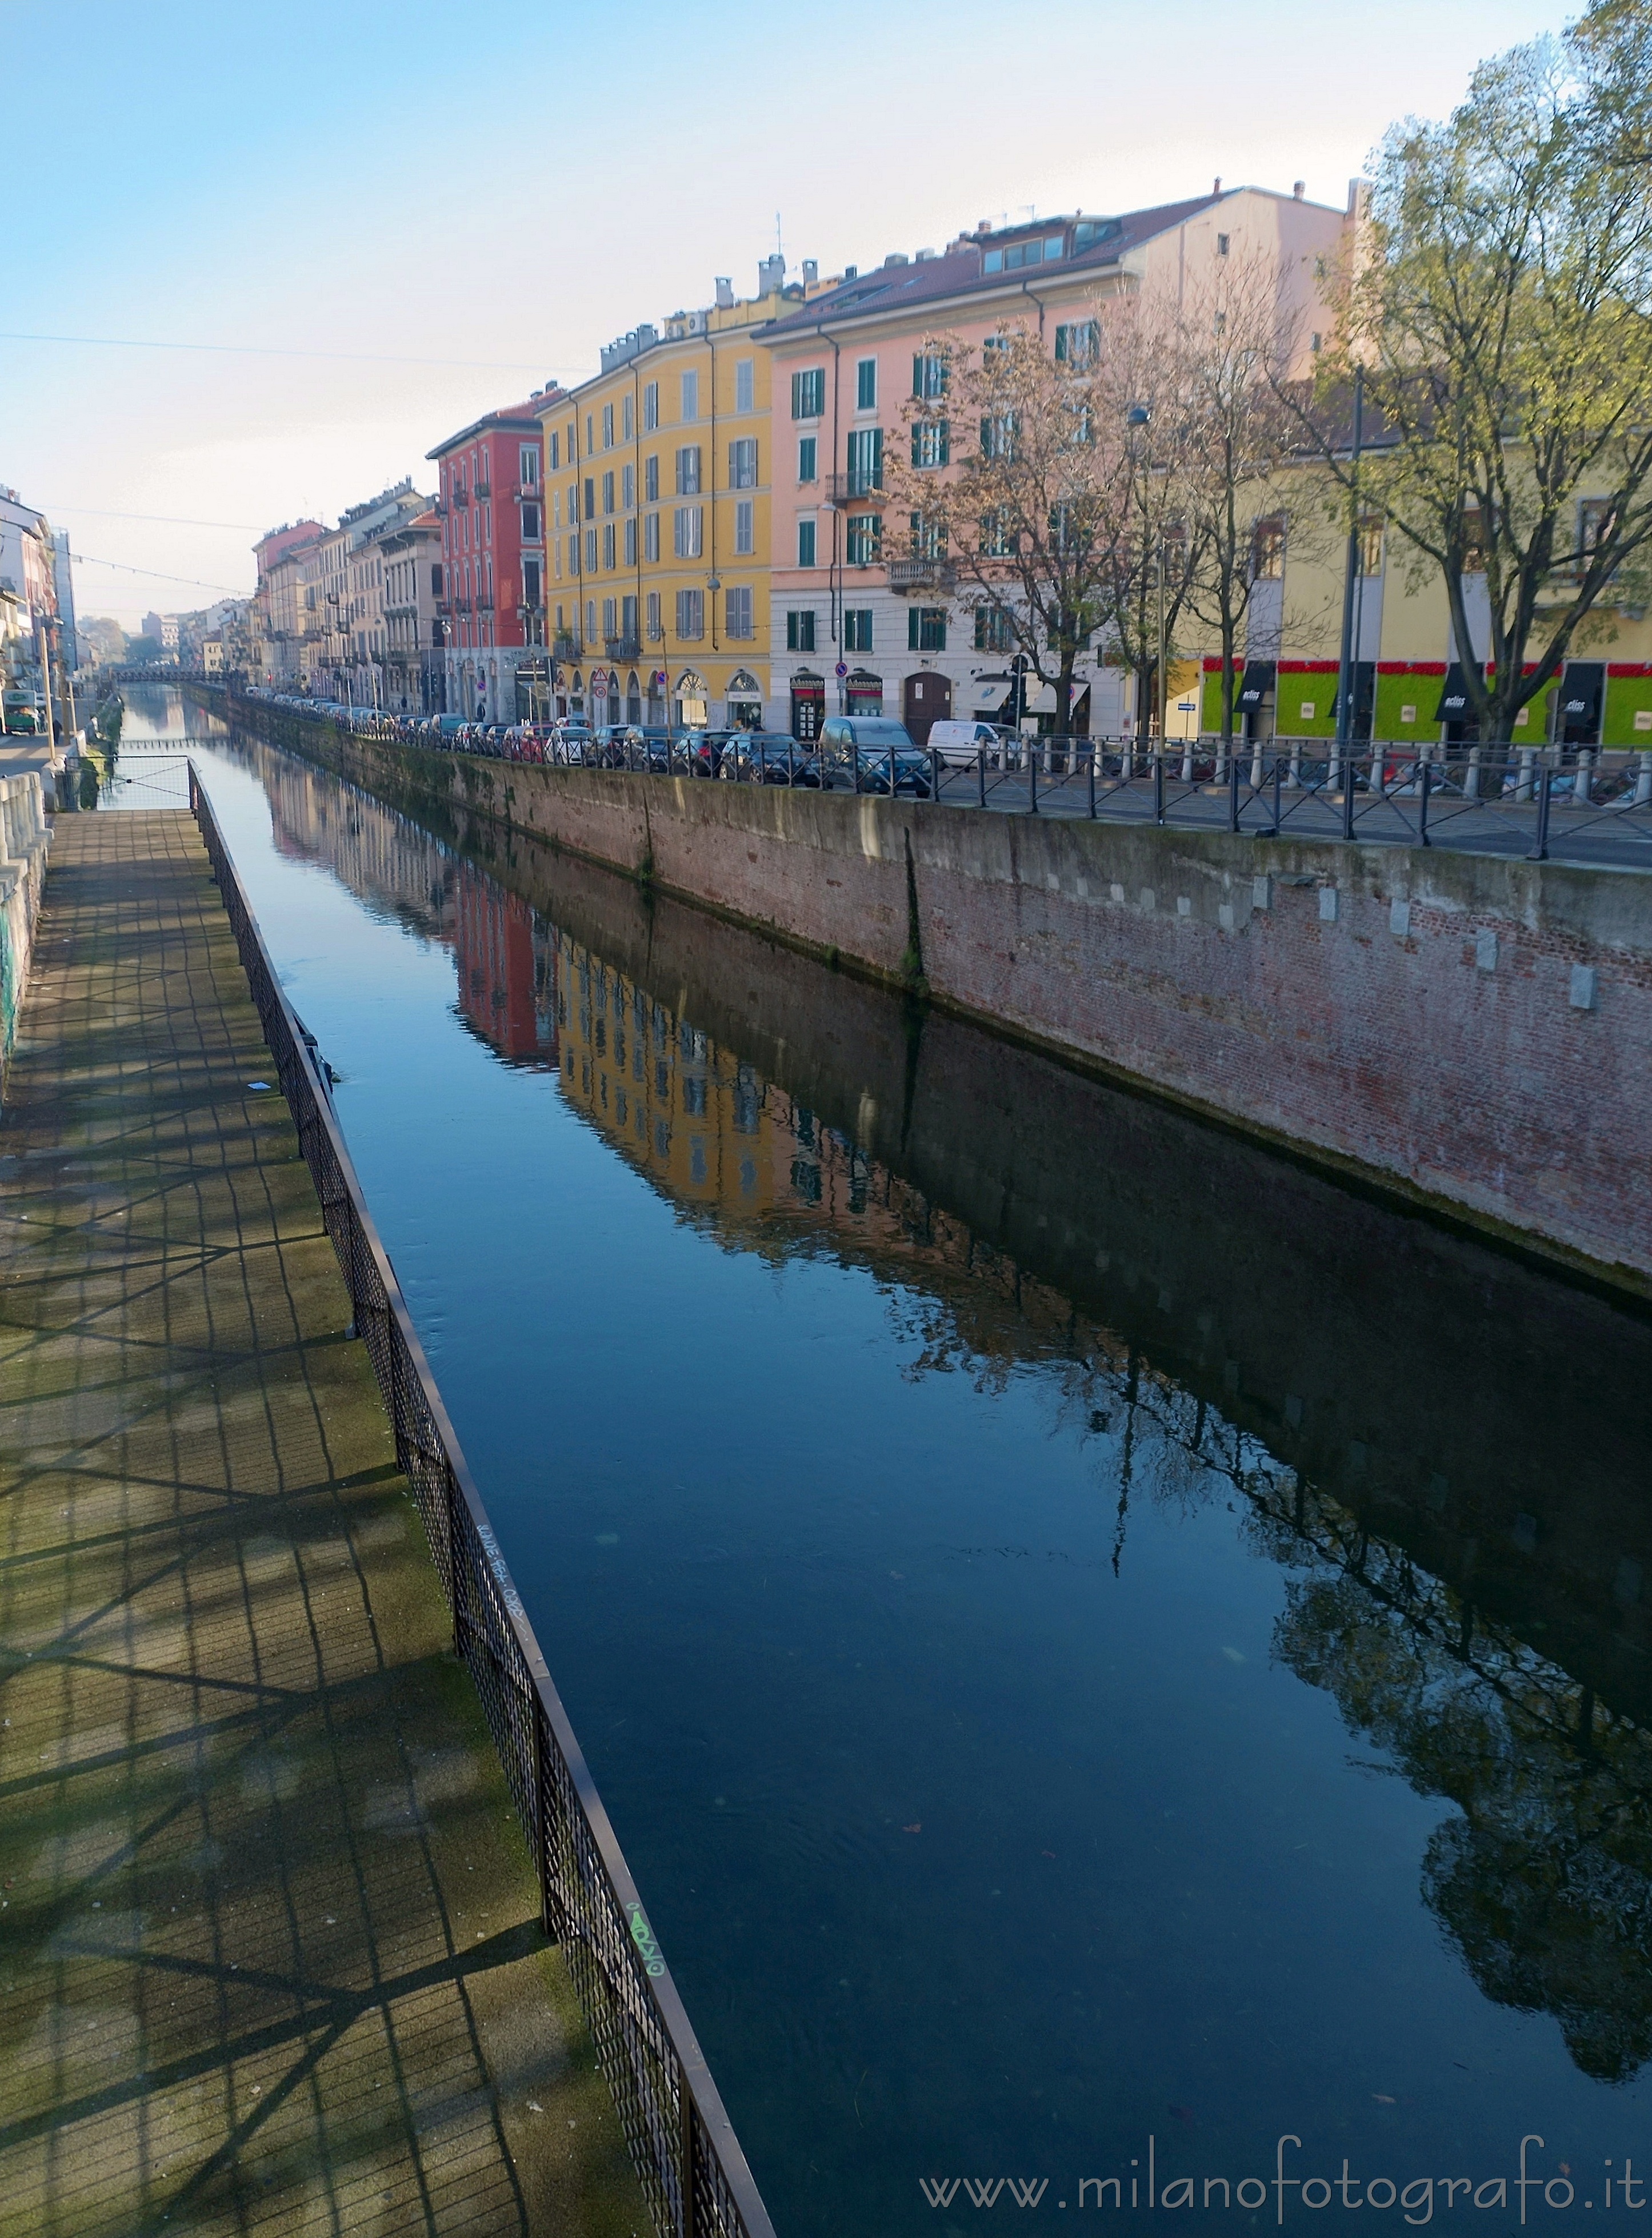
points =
(269, 1958)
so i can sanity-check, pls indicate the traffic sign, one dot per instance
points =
(841, 669)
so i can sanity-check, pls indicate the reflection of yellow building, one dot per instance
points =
(657, 475)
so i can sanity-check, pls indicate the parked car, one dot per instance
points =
(957, 745)
(868, 753)
(619, 746)
(769, 758)
(705, 751)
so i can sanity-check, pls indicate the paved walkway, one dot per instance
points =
(269, 1959)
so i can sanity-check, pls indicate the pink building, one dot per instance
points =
(849, 633)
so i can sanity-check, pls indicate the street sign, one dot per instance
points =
(841, 669)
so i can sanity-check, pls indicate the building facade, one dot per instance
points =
(850, 633)
(414, 657)
(658, 475)
(490, 504)
(36, 684)
(286, 622)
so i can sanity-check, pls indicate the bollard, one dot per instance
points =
(1471, 782)
(1524, 783)
(1582, 780)
(1091, 767)
(981, 776)
(1643, 783)
(1031, 756)
(1540, 853)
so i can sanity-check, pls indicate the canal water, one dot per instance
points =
(1105, 1651)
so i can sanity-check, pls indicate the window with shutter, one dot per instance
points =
(808, 452)
(687, 529)
(866, 384)
(688, 470)
(651, 405)
(800, 631)
(744, 532)
(691, 395)
(745, 384)
(737, 612)
(805, 544)
(650, 477)
(809, 392)
(743, 463)
(650, 536)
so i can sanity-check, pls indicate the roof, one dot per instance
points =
(901, 286)
(522, 419)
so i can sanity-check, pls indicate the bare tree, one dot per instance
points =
(1237, 345)
(1500, 315)
(1023, 481)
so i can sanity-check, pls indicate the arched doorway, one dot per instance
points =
(634, 699)
(862, 692)
(575, 693)
(745, 701)
(927, 698)
(692, 701)
(808, 705)
(657, 683)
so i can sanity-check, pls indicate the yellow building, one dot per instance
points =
(657, 476)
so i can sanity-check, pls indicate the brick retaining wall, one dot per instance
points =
(1475, 1031)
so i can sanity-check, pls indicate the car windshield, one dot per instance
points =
(881, 734)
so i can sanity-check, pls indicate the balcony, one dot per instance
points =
(438, 507)
(528, 493)
(858, 488)
(484, 489)
(565, 646)
(910, 576)
(461, 496)
(485, 604)
(623, 648)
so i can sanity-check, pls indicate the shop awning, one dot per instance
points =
(1454, 697)
(1258, 682)
(1364, 680)
(1580, 694)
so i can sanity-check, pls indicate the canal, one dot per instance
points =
(1103, 1648)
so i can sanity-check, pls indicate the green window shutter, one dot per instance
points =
(918, 376)
(911, 629)
(945, 458)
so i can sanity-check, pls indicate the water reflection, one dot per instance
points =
(1436, 1454)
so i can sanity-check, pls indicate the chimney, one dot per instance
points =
(771, 275)
(1216, 185)
(811, 271)
(1296, 187)
(725, 294)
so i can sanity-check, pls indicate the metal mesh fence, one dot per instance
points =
(689, 2160)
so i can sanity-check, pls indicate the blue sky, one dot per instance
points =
(513, 185)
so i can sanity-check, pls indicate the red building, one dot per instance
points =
(507, 964)
(490, 503)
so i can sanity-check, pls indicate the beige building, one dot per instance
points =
(415, 661)
(657, 476)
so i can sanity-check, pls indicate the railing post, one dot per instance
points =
(1348, 792)
(1540, 853)
(981, 776)
(685, 2153)
(934, 773)
(1091, 786)
(1423, 773)
(891, 772)
(1232, 788)
(1158, 782)
(541, 1820)
(1643, 782)
(1279, 819)
(1031, 753)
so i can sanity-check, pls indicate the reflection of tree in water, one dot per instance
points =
(1544, 1883)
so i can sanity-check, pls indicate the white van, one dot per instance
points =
(958, 744)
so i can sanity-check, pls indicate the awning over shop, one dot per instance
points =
(1454, 697)
(1364, 682)
(1258, 682)
(1580, 696)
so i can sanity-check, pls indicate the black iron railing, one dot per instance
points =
(686, 2154)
